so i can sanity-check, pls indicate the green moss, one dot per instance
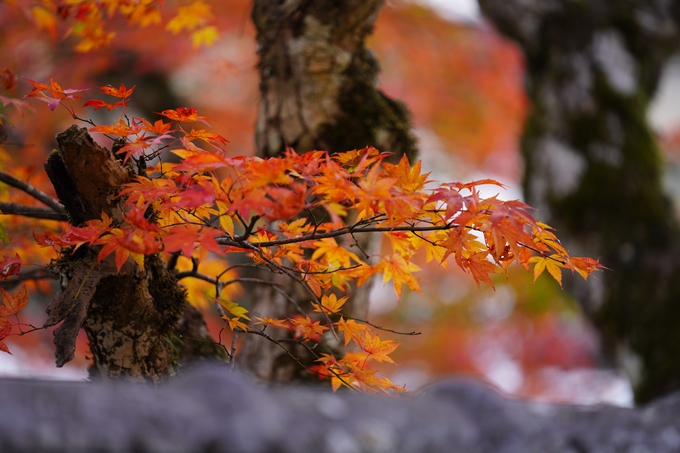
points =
(368, 117)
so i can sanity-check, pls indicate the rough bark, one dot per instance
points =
(138, 323)
(592, 166)
(213, 411)
(318, 85)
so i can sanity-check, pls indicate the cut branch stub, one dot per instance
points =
(137, 320)
(85, 176)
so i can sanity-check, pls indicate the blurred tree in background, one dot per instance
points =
(593, 165)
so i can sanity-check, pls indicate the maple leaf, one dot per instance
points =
(334, 253)
(120, 128)
(190, 17)
(273, 322)
(452, 199)
(585, 266)
(295, 228)
(233, 308)
(552, 263)
(235, 323)
(480, 268)
(352, 330)
(184, 238)
(330, 304)
(396, 268)
(128, 244)
(185, 115)
(159, 127)
(373, 190)
(206, 136)
(471, 185)
(5, 330)
(135, 148)
(58, 94)
(408, 178)
(378, 349)
(204, 36)
(307, 329)
(13, 304)
(10, 266)
(120, 92)
(97, 104)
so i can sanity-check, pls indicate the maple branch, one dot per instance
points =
(35, 274)
(380, 327)
(214, 281)
(281, 268)
(542, 253)
(32, 191)
(291, 300)
(292, 356)
(334, 233)
(248, 229)
(32, 211)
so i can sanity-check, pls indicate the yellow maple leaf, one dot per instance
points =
(401, 272)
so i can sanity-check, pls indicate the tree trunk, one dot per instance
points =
(593, 168)
(138, 322)
(318, 92)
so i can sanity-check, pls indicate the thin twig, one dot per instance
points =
(32, 191)
(292, 356)
(32, 211)
(375, 326)
(332, 234)
(35, 274)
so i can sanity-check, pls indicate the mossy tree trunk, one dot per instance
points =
(593, 168)
(138, 322)
(318, 92)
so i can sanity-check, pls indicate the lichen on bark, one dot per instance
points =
(318, 85)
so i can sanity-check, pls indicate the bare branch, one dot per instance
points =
(32, 211)
(32, 191)
(35, 274)
(375, 326)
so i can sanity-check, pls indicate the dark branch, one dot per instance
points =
(334, 233)
(32, 191)
(32, 211)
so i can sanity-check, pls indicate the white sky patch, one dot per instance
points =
(455, 10)
(664, 111)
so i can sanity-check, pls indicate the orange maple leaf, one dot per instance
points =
(307, 329)
(120, 92)
(378, 349)
(97, 104)
(273, 322)
(353, 330)
(185, 115)
(552, 263)
(396, 268)
(330, 304)
(5, 330)
(13, 304)
(480, 268)
(585, 266)
(334, 253)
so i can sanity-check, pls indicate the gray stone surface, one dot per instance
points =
(210, 410)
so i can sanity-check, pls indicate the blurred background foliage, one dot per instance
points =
(463, 83)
